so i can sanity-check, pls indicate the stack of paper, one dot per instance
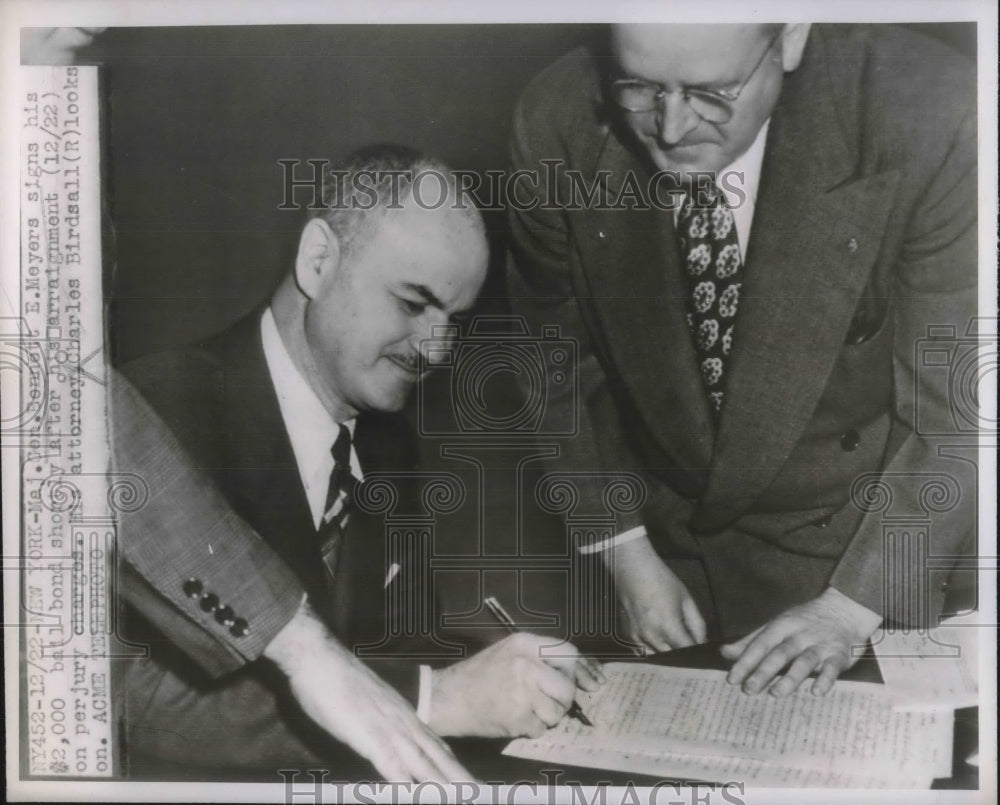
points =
(690, 724)
(935, 670)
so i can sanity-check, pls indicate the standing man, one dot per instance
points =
(748, 228)
(286, 412)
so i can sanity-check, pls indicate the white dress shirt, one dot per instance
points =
(311, 429)
(312, 432)
(744, 173)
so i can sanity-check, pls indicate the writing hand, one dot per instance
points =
(660, 612)
(510, 689)
(353, 704)
(816, 636)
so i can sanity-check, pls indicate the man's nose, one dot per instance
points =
(435, 341)
(675, 118)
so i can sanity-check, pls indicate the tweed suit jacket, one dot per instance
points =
(157, 554)
(196, 705)
(863, 237)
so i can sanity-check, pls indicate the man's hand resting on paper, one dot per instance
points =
(816, 636)
(660, 612)
(510, 689)
(353, 704)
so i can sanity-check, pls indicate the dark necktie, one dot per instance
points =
(713, 270)
(339, 500)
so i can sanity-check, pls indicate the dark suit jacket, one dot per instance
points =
(864, 235)
(219, 401)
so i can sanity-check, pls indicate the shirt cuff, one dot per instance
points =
(619, 539)
(424, 697)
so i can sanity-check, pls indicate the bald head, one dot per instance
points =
(390, 261)
(367, 184)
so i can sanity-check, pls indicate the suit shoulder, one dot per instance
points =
(922, 69)
(909, 98)
(186, 389)
(170, 364)
(566, 79)
(897, 69)
(563, 98)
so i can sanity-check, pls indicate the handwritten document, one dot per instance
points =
(935, 669)
(689, 723)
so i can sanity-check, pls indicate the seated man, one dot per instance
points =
(343, 696)
(286, 412)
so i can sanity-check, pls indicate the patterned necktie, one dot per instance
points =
(713, 269)
(339, 500)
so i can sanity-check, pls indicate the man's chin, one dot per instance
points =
(687, 163)
(392, 400)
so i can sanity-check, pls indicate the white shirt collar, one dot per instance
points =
(309, 425)
(739, 182)
(748, 165)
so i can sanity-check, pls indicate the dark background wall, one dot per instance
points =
(197, 120)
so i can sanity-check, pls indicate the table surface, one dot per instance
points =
(484, 759)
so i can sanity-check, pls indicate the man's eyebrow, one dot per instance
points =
(424, 293)
(712, 85)
(707, 86)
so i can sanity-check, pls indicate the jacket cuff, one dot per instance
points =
(634, 533)
(890, 578)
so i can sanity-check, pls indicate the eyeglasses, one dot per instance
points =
(713, 106)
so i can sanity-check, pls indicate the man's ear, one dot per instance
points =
(793, 42)
(319, 254)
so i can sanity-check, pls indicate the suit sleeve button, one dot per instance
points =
(240, 628)
(849, 440)
(192, 588)
(225, 615)
(210, 602)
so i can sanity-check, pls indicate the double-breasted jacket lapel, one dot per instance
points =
(815, 238)
(631, 267)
